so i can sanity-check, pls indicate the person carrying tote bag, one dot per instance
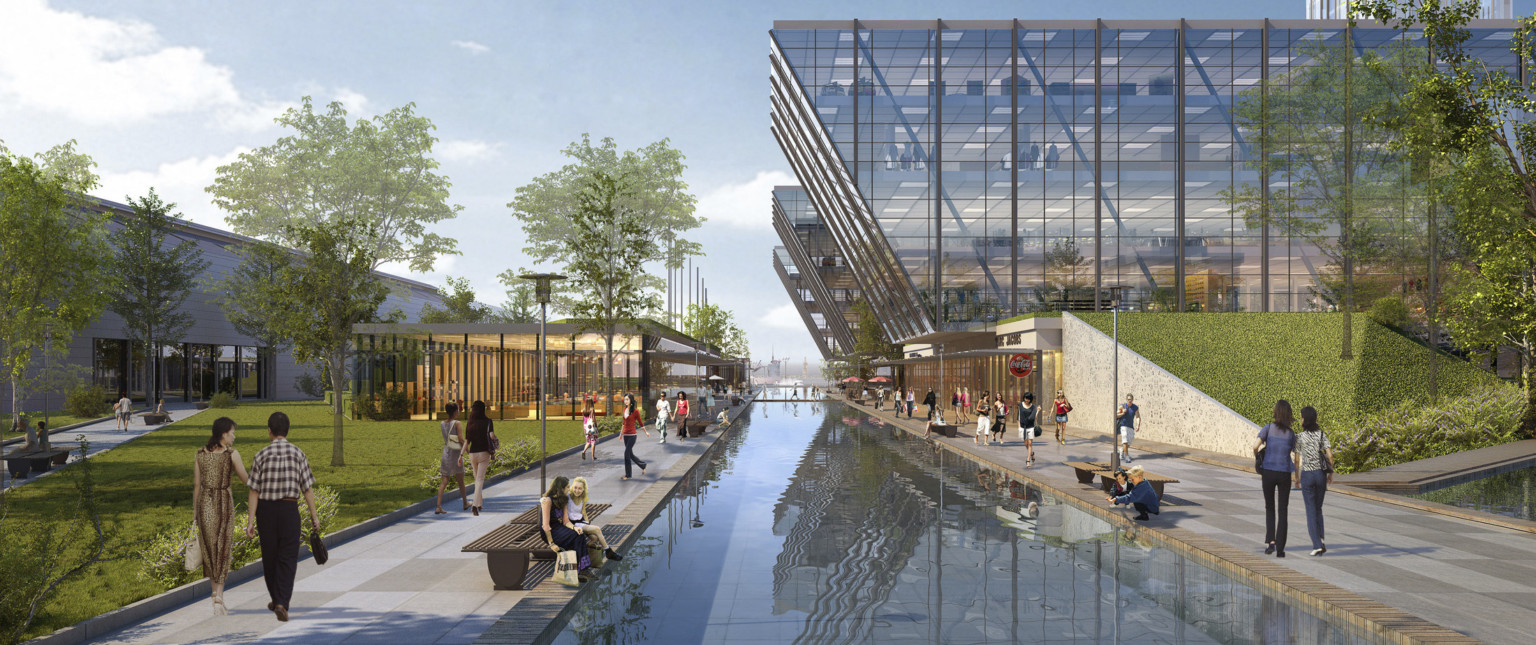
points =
(1314, 472)
(1276, 469)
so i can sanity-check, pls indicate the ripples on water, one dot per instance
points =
(811, 524)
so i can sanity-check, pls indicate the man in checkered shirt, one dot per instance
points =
(279, 475)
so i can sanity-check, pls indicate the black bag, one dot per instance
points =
(1258, 459)
(317, 547)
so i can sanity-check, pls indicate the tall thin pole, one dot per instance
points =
(1114, 400)
(543, 404)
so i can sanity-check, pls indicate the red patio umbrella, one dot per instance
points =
(880, 379)
(852, 379)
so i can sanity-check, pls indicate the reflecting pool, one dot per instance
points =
(1506, 494)
(814, 523)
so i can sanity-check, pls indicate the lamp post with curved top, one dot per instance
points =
(542, 286)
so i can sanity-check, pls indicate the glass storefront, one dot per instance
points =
(187, 372)
(988, 373)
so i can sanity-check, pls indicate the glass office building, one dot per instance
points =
(972, 171)
(814, 271)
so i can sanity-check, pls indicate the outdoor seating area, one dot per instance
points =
(510, 546)
(1087, 470)
(23, 464)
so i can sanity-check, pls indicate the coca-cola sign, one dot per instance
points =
(1021, 365)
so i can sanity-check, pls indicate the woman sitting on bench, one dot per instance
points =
(576, 510)
(558, 530)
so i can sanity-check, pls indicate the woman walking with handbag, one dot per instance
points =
(632, 423)
(682, 417)
(1274, 459)
(1314, 465)
(983, 418)
(999, 418)
(452, 464)
(213, 510)
(1062, 408)
(1029, 419)
(964, 411)
(481, 434)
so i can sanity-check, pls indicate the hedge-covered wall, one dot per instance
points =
(1248, 360)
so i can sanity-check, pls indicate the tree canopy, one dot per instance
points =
(459, 305)
(153, 278)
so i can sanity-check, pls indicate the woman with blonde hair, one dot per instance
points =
(577, 512)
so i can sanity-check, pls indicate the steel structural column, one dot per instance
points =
(1098, 156)
(937, 164)
(1264, 289)
(1013, 175)
(1179, 188)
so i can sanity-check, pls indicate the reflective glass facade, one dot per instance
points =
(814, 270)
(969, 171)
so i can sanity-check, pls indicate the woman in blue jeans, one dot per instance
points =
(1314, 462)
(1277, 470)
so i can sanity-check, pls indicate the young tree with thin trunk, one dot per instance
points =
(249, 294)
(153, 279)
(371, 188)
(601, 219)
(53, 260)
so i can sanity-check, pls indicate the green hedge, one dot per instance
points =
(1248, 360)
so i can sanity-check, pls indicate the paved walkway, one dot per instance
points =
(1476, 578)
(408, 582)
(102, 436)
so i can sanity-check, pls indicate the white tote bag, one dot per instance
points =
(565, 568)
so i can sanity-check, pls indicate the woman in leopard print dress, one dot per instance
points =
(213, 510)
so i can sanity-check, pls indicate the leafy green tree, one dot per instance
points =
(1319, 127)
(53, 259)
(153, 279)
(250, 296)
(869, 340)
(1485, 137)
(711, 324)
(459, 305)
(601, 219)
(521, 306)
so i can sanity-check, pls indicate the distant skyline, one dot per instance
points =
(161, 93)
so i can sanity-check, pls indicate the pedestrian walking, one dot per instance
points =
(1128, 419)
(632, 423)
(589, 426)
(1029, 425)
(1141, 496)
(1276, 464)
(1062, 407)
(879, 398)
(983, 418)
(213, 509)
(663, 414)
(1315, 465)
(911, 401)
(124, 410)
(931, 400)
(682, 416)
(481, 433)
(964, 412)
(451, 467)
(279, 476)
(999, 419)
(954, 403)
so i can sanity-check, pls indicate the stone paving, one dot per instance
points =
(102, 436)
(408, 582)
(1473, 577)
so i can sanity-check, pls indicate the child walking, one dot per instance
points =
(589, 424)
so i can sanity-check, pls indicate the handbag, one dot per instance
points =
(490, 432)
(565, 568)
(194, 549)
(317, 547)
(1258, 458)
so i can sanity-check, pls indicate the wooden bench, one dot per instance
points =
(509, 547)
(947, 430)
(1086, 470)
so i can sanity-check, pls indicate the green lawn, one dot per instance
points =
(56, 419)
(1248, 360)
(146, 485)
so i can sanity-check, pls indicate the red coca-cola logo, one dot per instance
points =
(1021, 365)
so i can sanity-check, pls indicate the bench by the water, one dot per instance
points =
(1086, 470)
(508, 548)
(947, 430)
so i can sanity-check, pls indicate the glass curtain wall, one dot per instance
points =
(984, 374)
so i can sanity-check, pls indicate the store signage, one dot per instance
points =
(1020, 365)
(1009, 340)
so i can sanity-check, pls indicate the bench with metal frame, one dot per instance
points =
(1086, 470)
(509, 547)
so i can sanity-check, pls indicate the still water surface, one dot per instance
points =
(813, 523)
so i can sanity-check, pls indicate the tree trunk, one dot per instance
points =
(16, 417)
(338, 379)
(1346, 352)
(1528, 421)
(608, 367)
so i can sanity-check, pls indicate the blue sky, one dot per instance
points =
(162, 92)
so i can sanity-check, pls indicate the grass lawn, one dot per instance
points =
(146, 485)
(1248, 360)
(56, 419)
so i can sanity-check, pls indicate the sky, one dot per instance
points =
(162, 92)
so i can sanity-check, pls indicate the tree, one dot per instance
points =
(869, 340)
(1488, 138)
(153, 280)
(602, 219)
(1065, 268)
(459, 305)
(710, 324)
(1318, 126)
(251, 295)
(53, 259)
(332, 289)
(521, 306)
(363, 191)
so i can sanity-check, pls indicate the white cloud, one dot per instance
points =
(181, 182)
(745, 205)
(252, 117)
(471, 46)
(466, 150)
(101, 71)
(784, 316)
(355, 102)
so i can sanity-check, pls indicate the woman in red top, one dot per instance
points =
(680, 410)
(1062, 408)
(632, 422)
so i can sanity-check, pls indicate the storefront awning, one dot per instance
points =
(970, 353)
(685, 357)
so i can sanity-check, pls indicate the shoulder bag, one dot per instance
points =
(490, 431)
(453, 441)
(1258, 457)
(193, 549)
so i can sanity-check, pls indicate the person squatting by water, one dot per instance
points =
(1141, 495)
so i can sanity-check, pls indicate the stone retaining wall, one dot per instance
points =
(1172, 411)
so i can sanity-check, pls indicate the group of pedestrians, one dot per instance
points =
(1285, 459)
(278, 477)
(475, 442)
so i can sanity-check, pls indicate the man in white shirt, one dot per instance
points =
(124, 409)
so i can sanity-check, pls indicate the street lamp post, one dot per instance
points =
(1114, 437)
(42, 437)
(541, 290)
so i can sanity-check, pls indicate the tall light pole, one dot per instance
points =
(1114, 438)
(42, 437)
(541, 289)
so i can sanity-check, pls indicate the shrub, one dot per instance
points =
(162, 559)
(222, 400)
(429, 476)
(309, 386)
(514, 454)
(1389, 311)
(1488, 416)
(608, 425)
(365, 408)
(394, 405)
(87, 401)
